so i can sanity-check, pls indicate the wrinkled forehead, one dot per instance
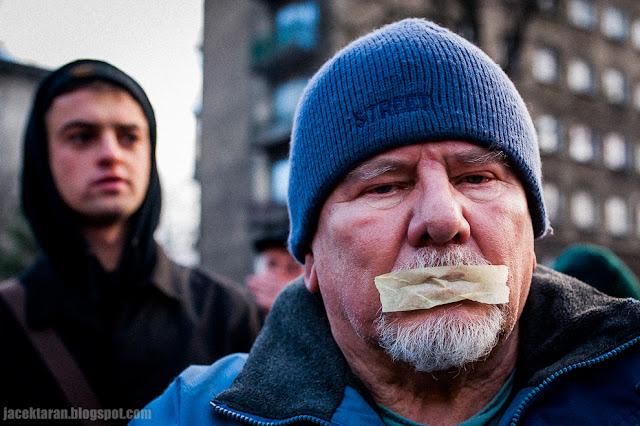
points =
(454, 152)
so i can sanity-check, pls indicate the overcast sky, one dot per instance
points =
(156, 42)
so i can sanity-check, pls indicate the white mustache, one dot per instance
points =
(452, 255)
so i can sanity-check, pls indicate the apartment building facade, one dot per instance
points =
(17, 85)
(574, 61)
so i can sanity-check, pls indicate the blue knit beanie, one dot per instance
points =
(406, 83)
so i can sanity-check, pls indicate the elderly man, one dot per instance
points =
(412, 150)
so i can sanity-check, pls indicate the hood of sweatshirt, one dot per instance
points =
(65, 256)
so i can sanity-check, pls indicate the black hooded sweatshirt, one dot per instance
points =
(130, 330)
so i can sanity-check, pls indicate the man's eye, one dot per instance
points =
(128, 138)
(80, 138)
(475, 179)
(386, 196)
(384, 189)
(480, 187)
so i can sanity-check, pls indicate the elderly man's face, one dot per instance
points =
(411, 200)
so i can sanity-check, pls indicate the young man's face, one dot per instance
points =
(409, 200)
(99, 152)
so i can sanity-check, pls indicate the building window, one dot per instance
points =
(547, 6)
(584, 211)
(614, 23)
(261, 106)
(545, 65)
(616, 153)
(614, 83)
(582, 144)
(580, 76)
(297, 24)
(280, 181)
(549, 133)
(582, 13)
(285, 100)
(552, 200)
(638, 221)
(635, 34)
(510, 56)
(636, 97)
(616, 214)
(260, 178)
(465, 30)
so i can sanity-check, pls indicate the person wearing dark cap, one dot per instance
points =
(274, 268)
(121, 318)
(415, 200)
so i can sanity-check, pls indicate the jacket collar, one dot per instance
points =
(566, 321)
(296, 368)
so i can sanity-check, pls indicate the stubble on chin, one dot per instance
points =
(104, 217)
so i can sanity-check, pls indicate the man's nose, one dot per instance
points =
(438, 216)
(110, 149)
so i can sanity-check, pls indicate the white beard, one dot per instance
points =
(442, 343)
(445, 342)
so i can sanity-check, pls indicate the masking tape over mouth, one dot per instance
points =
(425, 288)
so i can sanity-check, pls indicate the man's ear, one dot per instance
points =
(310, 276)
